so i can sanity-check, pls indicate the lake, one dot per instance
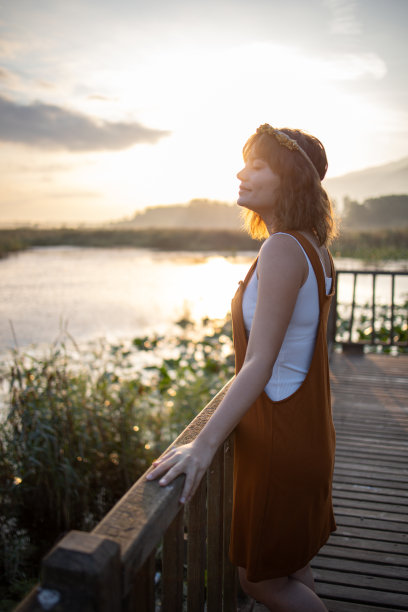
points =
(122, 293)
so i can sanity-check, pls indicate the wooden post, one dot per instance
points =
(373, 311)
(173, 565)
(331, 324)
(392, 340)
(84, 572)
(353, 304)
(196, 534)
(215, 506)
(229, 571)
(141, 597)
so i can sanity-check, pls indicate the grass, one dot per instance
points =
(370, 246)
(81, 429)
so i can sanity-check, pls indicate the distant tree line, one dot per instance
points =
(199, 213)
(383, 212)
(390, 211)
(372, 245)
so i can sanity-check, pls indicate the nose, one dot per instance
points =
(240, 174)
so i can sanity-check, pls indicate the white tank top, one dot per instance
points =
(295, 355)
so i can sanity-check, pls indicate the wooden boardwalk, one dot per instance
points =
(364, 566)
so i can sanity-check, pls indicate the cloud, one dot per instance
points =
(101, 98)
(74, 195)
(352, 66)
(9, 79)
(344, 20)
(45, 84)
(48, 126)
(9, 48)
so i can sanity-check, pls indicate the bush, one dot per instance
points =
(82, 428)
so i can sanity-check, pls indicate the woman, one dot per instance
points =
(279, 401)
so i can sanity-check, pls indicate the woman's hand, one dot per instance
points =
(186, 459)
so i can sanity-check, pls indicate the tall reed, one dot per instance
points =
(82, 428)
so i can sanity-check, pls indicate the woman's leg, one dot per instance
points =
(283, 594)
(305, 575)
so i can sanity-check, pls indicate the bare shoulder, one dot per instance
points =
(279, 244)
(281, 254)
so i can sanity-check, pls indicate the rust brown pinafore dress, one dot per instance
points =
(284, 459)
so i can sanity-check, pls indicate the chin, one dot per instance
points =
(241, 201)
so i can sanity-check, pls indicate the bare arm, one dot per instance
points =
(282, 271)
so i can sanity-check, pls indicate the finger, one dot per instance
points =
(165, 456)
(177, 469)
(161, 468)
(190, 486)
(187, 489)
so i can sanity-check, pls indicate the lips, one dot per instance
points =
(242, 188)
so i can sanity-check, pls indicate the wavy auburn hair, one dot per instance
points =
(301, 203)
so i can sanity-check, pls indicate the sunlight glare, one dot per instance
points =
(215, 99)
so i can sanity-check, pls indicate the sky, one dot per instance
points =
(110, 106)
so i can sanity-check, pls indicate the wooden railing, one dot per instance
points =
(150, 548)
(348, 336)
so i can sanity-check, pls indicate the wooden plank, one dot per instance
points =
(386, 500)
(370, 459)
(196, 549)
(348, 462)
(373, 461)
(394, 435)
(215, 511)
(229, 570)
(371, 528)
(362, 595)
(173, 565)
(346, 606)
(389, 567)
(402, 494)
(358, 567)
(369, 448)
(365, 482)
(371, 522)
(354, 550)
(397, 548)
(368, 582)
(371, 432)
(141, 597)
(397, 513)
(372, 534)
(354, 474)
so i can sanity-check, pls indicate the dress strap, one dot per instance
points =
(317, 265)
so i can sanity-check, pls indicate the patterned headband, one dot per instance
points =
(282, 138)
(285, 141)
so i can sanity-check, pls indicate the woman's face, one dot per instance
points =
(259, 186)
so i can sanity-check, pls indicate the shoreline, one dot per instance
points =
(370, 246)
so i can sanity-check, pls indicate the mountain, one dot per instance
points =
(199, 213)
(371, 182)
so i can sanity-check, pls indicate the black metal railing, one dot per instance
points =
(372, 321)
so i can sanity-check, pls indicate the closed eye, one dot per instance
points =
(258, 164)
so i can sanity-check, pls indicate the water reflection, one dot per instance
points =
(119, 293)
